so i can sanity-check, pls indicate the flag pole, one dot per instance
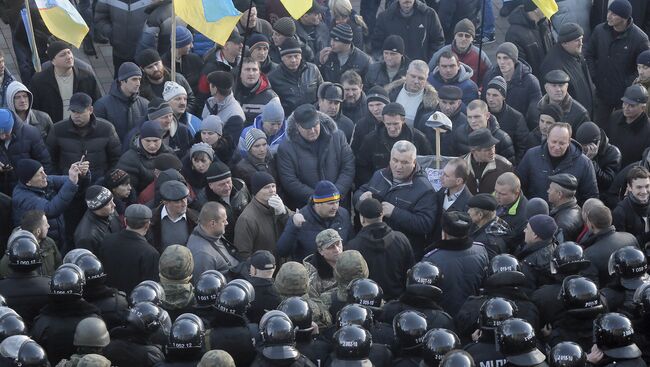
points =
(480, 43)
(173, 44)
(32, 39)
(243, 49)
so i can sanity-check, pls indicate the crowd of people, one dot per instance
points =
(342, 189)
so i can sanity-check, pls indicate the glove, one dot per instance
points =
(278, 206)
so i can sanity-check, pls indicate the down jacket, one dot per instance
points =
(535, 169)
(357, 61)
(302, 164)
(119, 21)
(523, 89)
(429, 100)
(504, 147)
(532, 39)
(123, 112)
(296, 87)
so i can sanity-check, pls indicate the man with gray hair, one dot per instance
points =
(408, 200)
(418, 97)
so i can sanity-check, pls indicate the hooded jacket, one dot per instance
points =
(296, 87)
(504, 147)
(119, 21)
(524, 91)
(462, 80)
(535, 169)
(301, 164)
(388, 254)
(125, 113)
(38, 119)
(425, 109)
(532, 39)
(470, 58)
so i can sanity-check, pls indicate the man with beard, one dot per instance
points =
(354, 99)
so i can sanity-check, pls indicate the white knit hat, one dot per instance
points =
(172, 89)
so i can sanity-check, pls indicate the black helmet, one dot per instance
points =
(245, 285)
(642, 299)
(147, 291)
(278, 336)
(67, 280)
(365, 292)
(10, 323)
(567, 354)
(437, 342)
(31, 354)
(354, 314)
(457, 358)
(207, 287)
(580, 296)
(233, 299)
(3, 300)
(517, 342)
(495, 311)
(630, 264)
(352, 342)
(425, 277)
(72, 256)
(614, 335)
(568, 258)
(10, 347)
(187, 334)
(299, 312)
(91, 266)
(23, 251)
(409, 328)
(146, 317)
(505, 269)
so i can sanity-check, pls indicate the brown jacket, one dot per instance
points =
(258, 228)
(485, 183)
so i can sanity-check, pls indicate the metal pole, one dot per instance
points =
(32, 39)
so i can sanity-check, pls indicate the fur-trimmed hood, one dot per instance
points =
(327, 126)
(429, 99)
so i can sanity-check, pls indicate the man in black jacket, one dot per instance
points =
(253, 90)
(631, 213)
(611, 55)
(566, 55)
(605, 156)
(512, 206)
(564, 207)
(262, 267)
(510, 120)
(392, 66)
(488, 229)
(341, 48)
(99, 220)
(127, 257)
(387, 252)
(330, 97)
(535, 254)
(629, 128)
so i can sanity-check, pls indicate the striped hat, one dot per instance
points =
(325, 191)
(342, 33)
(217, 171)
(252, 136)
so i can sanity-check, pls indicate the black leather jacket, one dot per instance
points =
(568, 217)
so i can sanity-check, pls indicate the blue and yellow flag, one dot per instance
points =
(214, 18)
(297, 8)
(548, 7)
(63, 20)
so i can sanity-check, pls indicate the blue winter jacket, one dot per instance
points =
(273, 141)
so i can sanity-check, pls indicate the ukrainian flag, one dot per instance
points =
(63, 20)
(297, 8)
(214, 18)
(548, 7)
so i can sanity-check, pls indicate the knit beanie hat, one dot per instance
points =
(499, 84)
(127, 70)
(285, 26)
(147, 57)
(290, 46)
(465, 26)
(172, 89)
(588, 133)
(325, 191)
(543, 225)
(273, 112)
(26, 169)
(377, 94)
(55, 47)
(6, 121)
(257, 40)
(536, 206)
(569, 32)
(342, 33)
(509, 49)
(158, 108)
(115, 178)
(253, 135)
(97, 197)
(217, 172)
(622, 8)
(394, 43)
(166, 161)
(212, 123)
(151, 129)
(552, 109)
(183, 37)
(259, 180)
(202, 147)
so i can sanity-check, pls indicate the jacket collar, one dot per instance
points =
(454, 244)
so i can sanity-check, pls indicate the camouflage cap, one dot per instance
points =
(349, 266)
(176, 264)
(292, 279)
(326, 238)
(216, 357)
(94, 360)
